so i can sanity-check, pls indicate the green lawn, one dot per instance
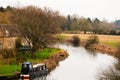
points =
(45, 53)
(61, 37)
(9, 70)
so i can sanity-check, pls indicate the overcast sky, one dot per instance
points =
(102, 9)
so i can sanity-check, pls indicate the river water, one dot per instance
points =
(80, 65)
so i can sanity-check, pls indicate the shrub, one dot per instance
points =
(118, 52)
(20, 57)
(8, 53)
(118, 33)
(76, 40)
(91, 40)
(109, 74)
(18, 45)
(113, 32)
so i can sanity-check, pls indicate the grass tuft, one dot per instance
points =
(45, 53)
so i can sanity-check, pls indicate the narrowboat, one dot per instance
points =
(29, 71)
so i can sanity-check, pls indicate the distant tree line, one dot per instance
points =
(75, 23)
(2, 9)
(4, 15)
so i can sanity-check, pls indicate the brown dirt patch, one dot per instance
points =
(53, 61)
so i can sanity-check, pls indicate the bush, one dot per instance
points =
(18, 45)
(113, 32)
(76, 40)
(7, 53)
(20, 57)
(10, 61)
(118, 33)
(109, 74)
(91, 40)
(118, 52)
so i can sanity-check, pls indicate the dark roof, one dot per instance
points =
(12, 29)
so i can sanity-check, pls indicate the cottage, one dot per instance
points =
(8, 35)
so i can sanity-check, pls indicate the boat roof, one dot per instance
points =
(36, 65)
(26, 63)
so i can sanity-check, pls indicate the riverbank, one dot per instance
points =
(107, 43)
(53, 61)
(109, 40)
(51, 58)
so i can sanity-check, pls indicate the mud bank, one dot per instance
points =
(102, 48)
(105, 49)
(53, 61)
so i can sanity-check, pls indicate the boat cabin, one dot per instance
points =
(29, 71)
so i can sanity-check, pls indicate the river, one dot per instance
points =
(80, 65)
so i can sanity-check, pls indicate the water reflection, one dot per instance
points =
(41, 78)
(92, 52)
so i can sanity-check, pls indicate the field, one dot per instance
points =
(110, 40)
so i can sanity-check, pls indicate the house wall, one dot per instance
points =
(7, 42)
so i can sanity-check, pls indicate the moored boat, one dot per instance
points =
(29, 71)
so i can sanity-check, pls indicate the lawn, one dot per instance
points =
(45, 53)
(9, 70)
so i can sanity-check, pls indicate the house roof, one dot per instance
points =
(12, 30)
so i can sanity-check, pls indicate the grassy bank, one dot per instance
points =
(109, 40)
(8, 69)
(111, 43)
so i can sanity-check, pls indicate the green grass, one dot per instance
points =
(61, 37)
(45, 53)
(111, 43)
(8, 70)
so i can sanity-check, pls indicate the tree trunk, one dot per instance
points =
(85, 32)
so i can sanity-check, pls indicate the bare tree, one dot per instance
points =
(37, 24)
(109, 74)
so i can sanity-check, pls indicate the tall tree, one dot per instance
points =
(37, 25)
(85, 25)
(64, 24)
(105, 27)
(96, 25)
(69, 22)
(75, 24)
(1, 9)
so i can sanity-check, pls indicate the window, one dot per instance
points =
(25, 68)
